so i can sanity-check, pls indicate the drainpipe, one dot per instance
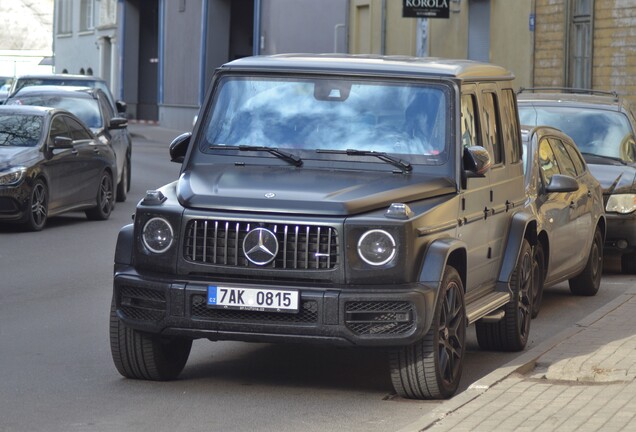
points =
(160, 48)
(256, 38)
(383, 29)
(203, 51)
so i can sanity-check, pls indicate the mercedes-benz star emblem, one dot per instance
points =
(260, 246)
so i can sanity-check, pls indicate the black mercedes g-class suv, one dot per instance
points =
(357, 200)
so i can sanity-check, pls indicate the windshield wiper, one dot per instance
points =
(405, 166)
(287, 157)
(617, 159)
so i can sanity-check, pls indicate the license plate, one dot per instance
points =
(253, 299)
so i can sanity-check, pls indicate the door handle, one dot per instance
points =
(75, 152)
(572, 205)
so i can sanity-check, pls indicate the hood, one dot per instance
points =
(615, 178)
(13, 156)
(302, 190)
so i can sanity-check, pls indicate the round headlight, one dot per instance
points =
(157, 235)
(376, 247)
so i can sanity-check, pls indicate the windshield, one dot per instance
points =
(596, 131)
(303, 115)
(20, 130)
(85, 109)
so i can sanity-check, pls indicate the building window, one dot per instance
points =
(580, 50)
(107, 13)
(64, 14)
(87, 15)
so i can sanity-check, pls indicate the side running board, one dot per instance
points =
(487, 307)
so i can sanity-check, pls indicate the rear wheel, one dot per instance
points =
(538, 276)
(511, 332)
(588, 281)
(628, 263)
(432, 367)
(141, 356)
(105, 201)
(38, 209)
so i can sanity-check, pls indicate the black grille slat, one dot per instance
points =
(305, 247)
(379, 317)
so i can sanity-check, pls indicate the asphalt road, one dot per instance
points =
(56, 373)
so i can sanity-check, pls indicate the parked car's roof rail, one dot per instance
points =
(569, 90)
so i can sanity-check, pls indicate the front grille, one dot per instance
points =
(142, 304)
(307, 314)
(300, 247)
(379, 317)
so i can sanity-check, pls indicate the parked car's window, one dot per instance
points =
(547, 161)
(330, 114)
(59, 128)
(78, 132)
(20, 130)
(576, 158)
(470, 122)
(106, 107)
(565, 163)
(512, 129)
(491, 124)
(595, 131)
(85, 108)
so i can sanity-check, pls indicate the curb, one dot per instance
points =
(521, 365)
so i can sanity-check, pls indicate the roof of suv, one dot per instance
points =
(374, 64)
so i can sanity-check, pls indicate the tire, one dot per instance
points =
(432, 367)
(538, 277)
(124, 184)
(38, 208)
(142, 356)
(105, 201)
(512, 331)
(589, 280)
(628, 263)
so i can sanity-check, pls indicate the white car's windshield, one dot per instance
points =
(303, 115)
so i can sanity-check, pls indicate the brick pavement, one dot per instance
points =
(580, 380)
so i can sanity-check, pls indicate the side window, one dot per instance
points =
(59, 128)
(547, 161)
(576, 158)
(511, 132)
(565, 162)
(106, 108)
(491, 124)
(78, 132)
(470, 124)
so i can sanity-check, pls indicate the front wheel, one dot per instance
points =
(105, 199)
(142, 356)
(511, 332)
(432, 367)
(38, 209)
(588, 281)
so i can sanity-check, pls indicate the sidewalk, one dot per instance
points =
(582, 379)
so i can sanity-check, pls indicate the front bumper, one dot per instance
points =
(378, 316)
(621, 233)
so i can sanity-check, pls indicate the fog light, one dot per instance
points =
(622, 244)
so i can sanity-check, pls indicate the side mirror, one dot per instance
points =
(118, 123)
(476, 161)
(121, 106)
(562, 183)
(62, 142)
(179, 147)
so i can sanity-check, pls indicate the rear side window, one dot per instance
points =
(511, 127)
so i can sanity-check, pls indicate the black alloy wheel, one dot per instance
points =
(432, 367)
(105, 199)
(38, 207)
(588, 281)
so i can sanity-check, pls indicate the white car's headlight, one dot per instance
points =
(157, 235)
(376, 247)
(621, 203)
(13, 176)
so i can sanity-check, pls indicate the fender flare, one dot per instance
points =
(124, 246)
(520, 229)
(435, 260)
